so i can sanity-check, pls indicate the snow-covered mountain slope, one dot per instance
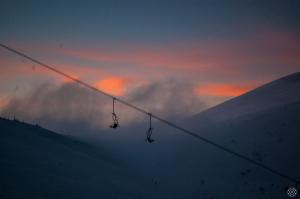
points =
(264, 125)
(188, 168)
(37, 163)
(266, 119)
(276, 93)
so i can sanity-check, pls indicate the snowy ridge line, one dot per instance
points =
(193, 134)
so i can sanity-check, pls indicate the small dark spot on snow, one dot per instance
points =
(261, 190)
(243, 173)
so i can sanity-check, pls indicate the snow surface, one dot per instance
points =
(262, 124)
(37, 163)
(276, 93)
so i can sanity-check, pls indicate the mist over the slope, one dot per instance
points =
(71, 108)
(177, 164)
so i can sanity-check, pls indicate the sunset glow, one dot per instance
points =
(221, 90)
(112, 85)
(183, 47)
(149, 99)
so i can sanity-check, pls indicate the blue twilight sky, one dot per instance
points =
(222, 48)
(143, 21)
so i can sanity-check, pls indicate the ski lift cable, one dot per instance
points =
(191, 133)
(114, 99)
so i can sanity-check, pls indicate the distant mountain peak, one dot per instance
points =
(273, 94)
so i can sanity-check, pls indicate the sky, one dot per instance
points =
(197, 53)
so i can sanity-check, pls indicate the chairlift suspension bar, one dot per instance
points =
(114, 105)
(150, 119)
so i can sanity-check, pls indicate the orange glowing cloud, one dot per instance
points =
(3, 102)
(80, 72)
(143, 57)
(66, 80)
(222, 90)
(259, 51)
(13, 69)
(113, 85)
